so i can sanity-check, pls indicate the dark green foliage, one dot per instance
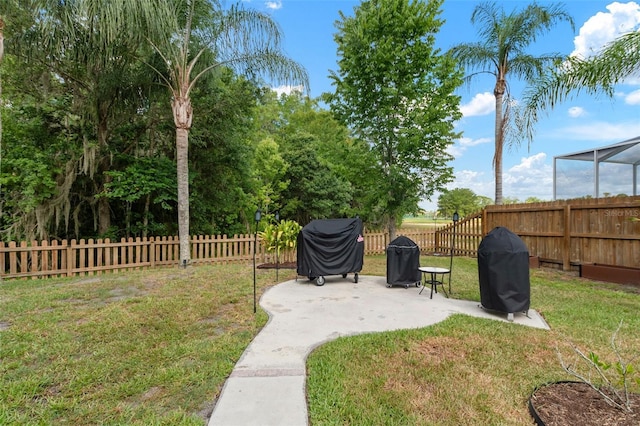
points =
(89, 140)
(394, 90)
(314, 191)
(462, 200)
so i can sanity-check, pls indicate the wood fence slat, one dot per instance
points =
(13, 259)
(567, 233)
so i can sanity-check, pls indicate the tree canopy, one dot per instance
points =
(503, 52)
(395, 91)
(89, 147)
(595, 75)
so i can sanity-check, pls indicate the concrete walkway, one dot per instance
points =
(267, 385)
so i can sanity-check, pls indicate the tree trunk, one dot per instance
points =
(1, 38)
(145, 217)
(499, 136)
(103, 165)
(392, 228)
(104, 216)
(182, 157)
(182, 115)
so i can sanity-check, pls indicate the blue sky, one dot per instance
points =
(580, 123)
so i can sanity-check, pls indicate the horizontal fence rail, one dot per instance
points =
(563, 233)
(570, 233)
(37, 259)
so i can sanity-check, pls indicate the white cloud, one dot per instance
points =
(600, 131)
(532, 177)
(481, 104)
(529, 163)
(274, 5)
(604, 27)
(459, 148)
(473, 142)
(475, 181)
(632, 98)
(287, 89)
(575, 112)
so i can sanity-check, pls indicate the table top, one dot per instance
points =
(433, 270)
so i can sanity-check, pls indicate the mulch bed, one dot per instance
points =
(281, 265)
(577, 403)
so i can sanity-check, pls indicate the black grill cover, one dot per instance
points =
(503, 269)
(330, 247)
(403, 261)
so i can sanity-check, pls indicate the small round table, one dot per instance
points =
(433, 272)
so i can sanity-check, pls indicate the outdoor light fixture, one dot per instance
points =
(277, 243)
(456, 218)
(258, 216)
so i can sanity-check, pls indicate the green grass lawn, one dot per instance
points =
(154, 347)
(424, 222)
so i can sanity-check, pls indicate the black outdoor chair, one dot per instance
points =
(436, 275)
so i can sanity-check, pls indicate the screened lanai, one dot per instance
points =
(607, 171)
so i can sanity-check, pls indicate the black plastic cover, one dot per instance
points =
(403, 261)
(330, 247)
(503, 271)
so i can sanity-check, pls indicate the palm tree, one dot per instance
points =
(192, 38)
(89, 46)
(598, 74)
(502, 53)
(247, 41)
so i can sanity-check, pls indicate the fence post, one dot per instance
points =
(70, 259)
(152, 251)
(566, 250)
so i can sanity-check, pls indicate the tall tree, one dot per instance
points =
(74, 45)
(502, 52)
(1, 98)
(461, 200)
(245, 40)
(395, 91)
(292, 118)
(595, 75)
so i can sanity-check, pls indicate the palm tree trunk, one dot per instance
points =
(182, 116)
(182, 158)
(499, 136)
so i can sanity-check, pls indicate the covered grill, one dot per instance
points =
(330, 247)
(403, 261)
(503, 270)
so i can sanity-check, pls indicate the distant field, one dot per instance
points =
(423, 222)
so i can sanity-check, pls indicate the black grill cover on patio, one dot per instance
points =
(403, 261)
(330, 247)
(503, 269)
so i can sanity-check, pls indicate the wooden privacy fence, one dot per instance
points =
(566, 233)
(89, 257)
(569, 233)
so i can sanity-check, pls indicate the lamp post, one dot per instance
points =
(277, 243)
(255, 248)
(456, 218)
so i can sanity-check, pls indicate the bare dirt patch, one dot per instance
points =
(576, 403)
